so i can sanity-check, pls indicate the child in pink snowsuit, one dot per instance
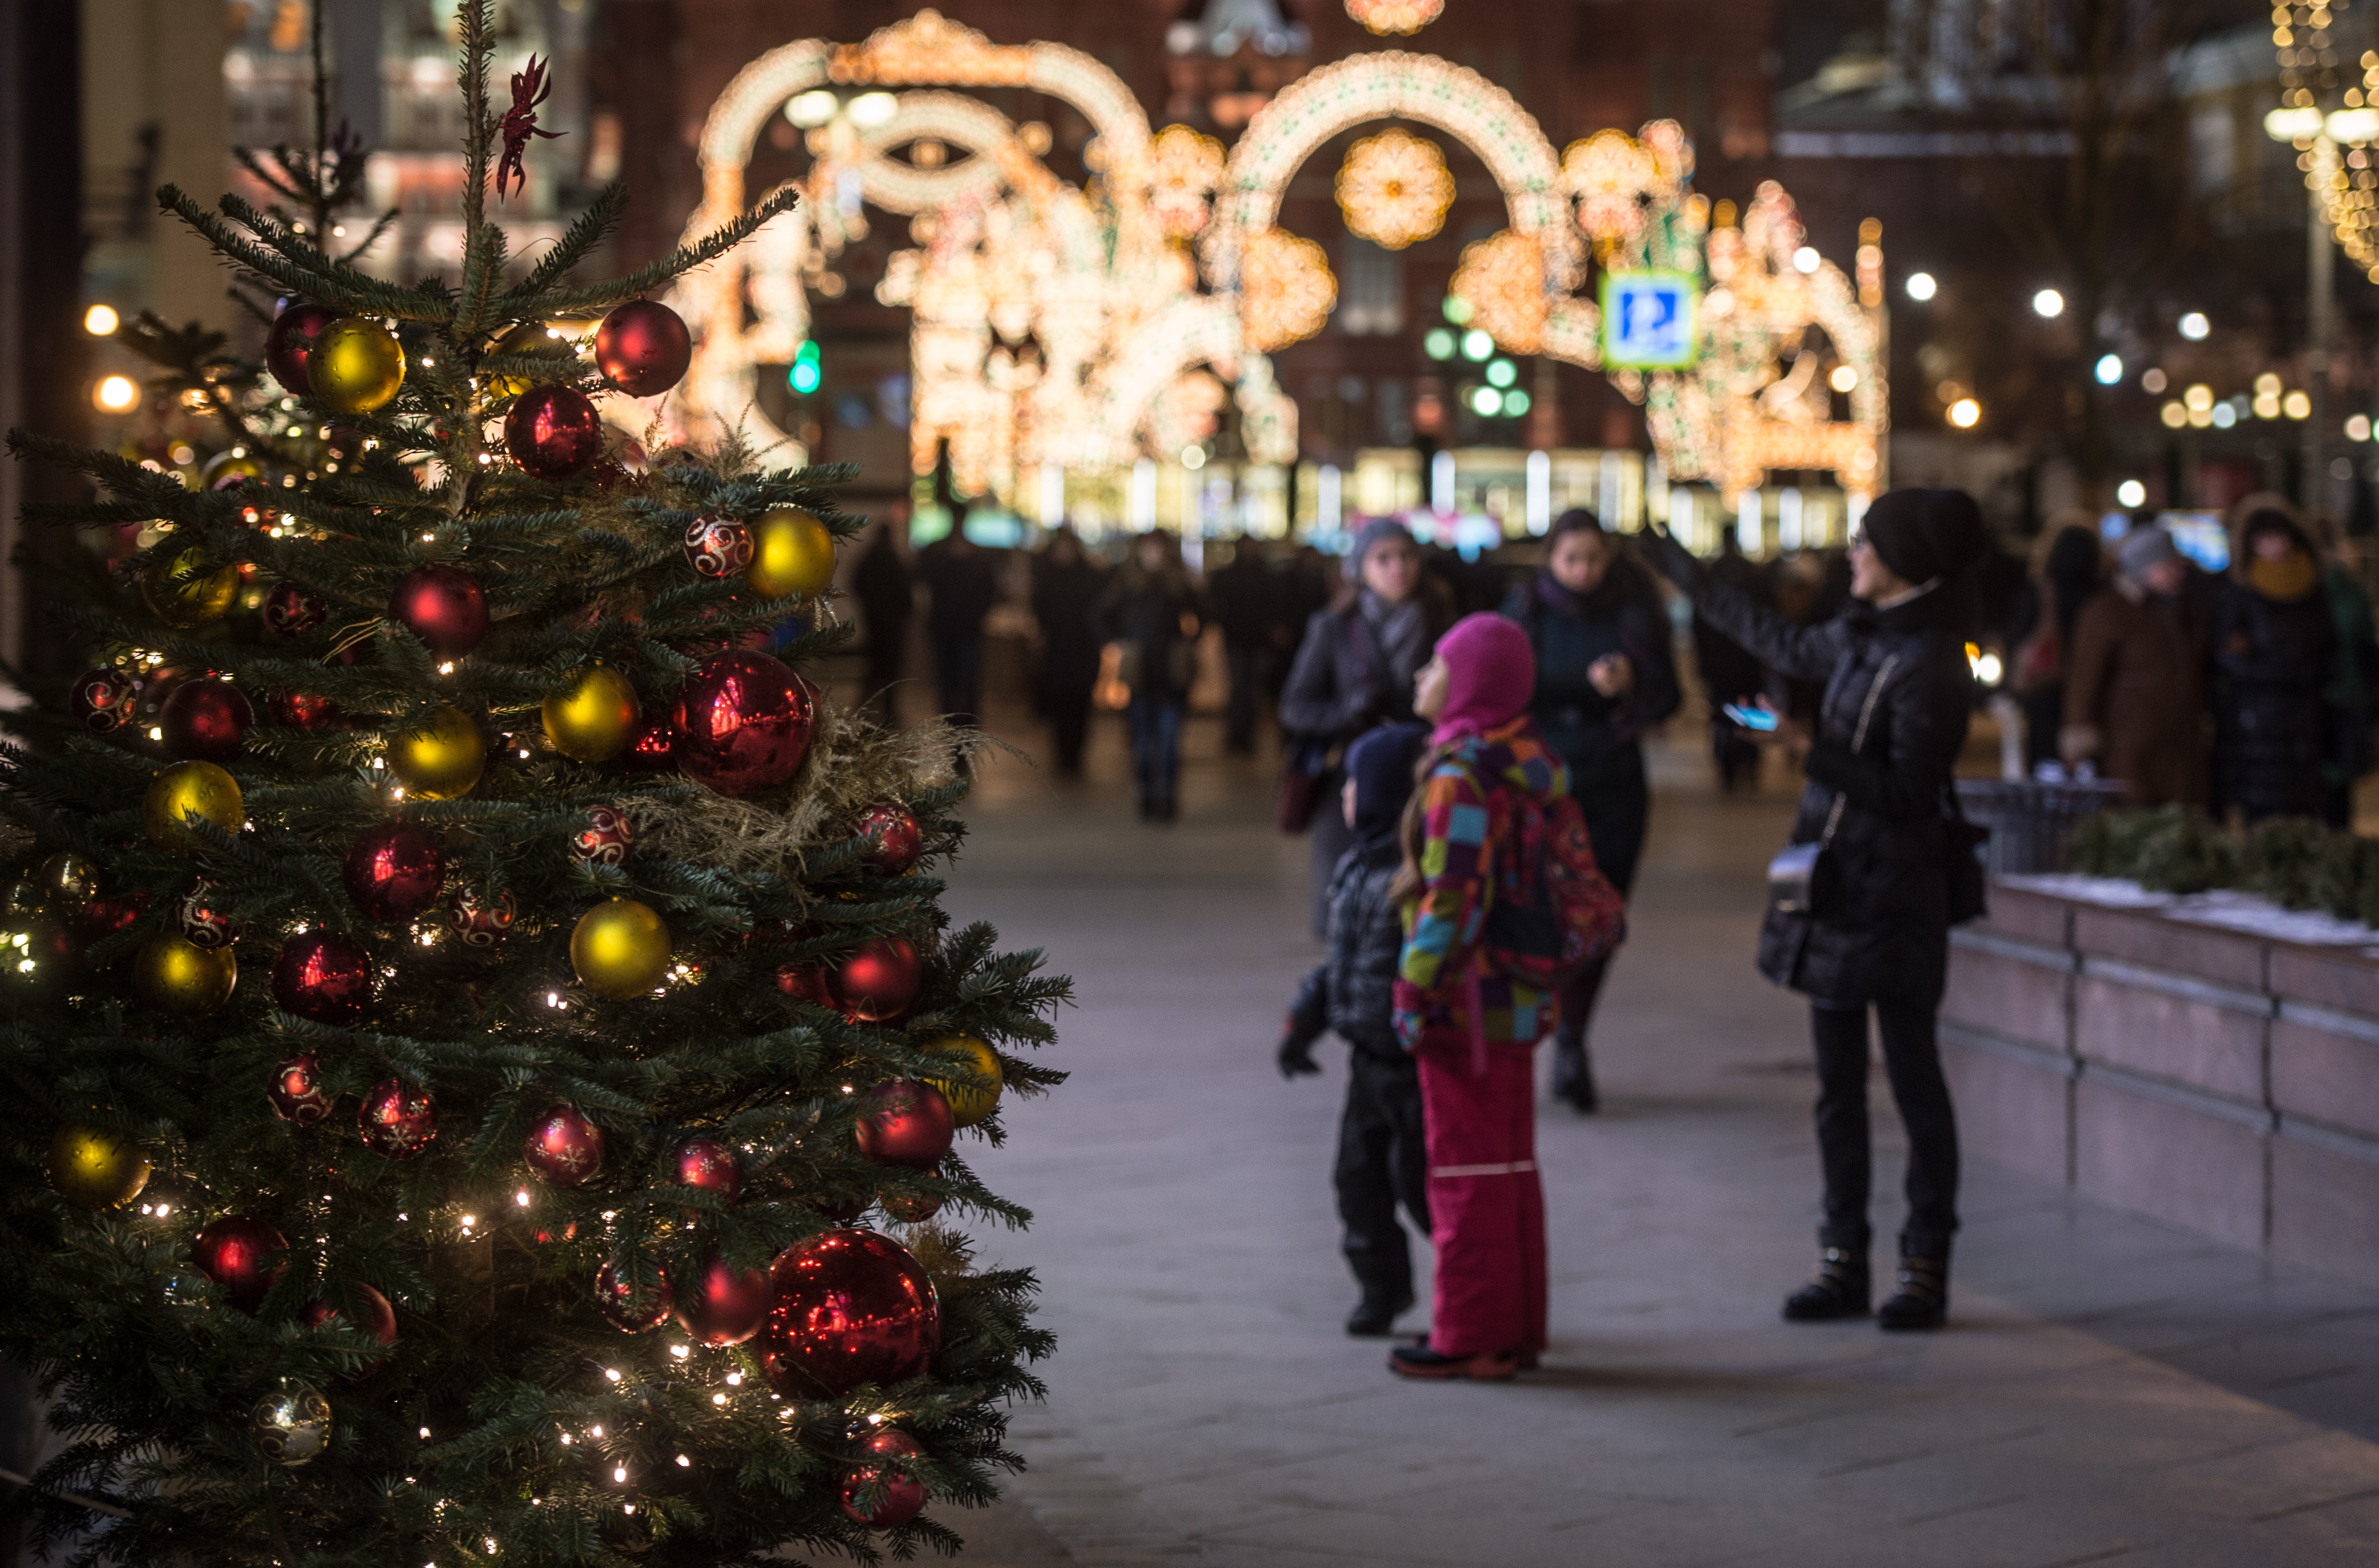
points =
(1473, 1032)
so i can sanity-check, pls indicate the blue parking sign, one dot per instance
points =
(1648, 320)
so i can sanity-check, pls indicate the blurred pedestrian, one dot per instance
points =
(1729, 672)
(1604, 674)
(1382, 1157)
(2135, 683)
(1154, 612)
(1066, 589)
(1859, 918)
(2275, 653)
(2067, 563)
(1241, 592)
(959, 576)
(2351, 690)
(887, 592)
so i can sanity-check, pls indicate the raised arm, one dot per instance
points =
(1796, 652)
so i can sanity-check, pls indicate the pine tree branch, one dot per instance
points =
(646, 279)
(586, 232)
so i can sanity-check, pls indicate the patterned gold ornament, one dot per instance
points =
(1286, 289)
(186, 790)
(970, 1102)
(355, 364)
(1395, 188)
(441, 762)
(793, 554)
(592, 717)
(619, 949)
(176, 977)
(180, 591)
(92, 1169)
(292, 1424)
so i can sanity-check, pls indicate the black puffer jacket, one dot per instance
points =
(2271, 729)
(1349, 992)
(1883, 931)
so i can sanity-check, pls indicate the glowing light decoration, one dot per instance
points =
(1501, 278)
(1621, 185)
(1394, 189)
(2346, 183)
(1286, 289)
(1184, 167)
(1394, 16)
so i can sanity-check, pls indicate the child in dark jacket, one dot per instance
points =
(1381, 1156)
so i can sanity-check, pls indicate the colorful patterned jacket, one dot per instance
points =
(1466, 800)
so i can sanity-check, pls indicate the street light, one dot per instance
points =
(2048, 304)
(2131, 492)
(1965, 412)
(1921, 287)
(2195, 326)
(2109, 369)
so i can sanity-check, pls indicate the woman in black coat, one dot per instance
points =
(2274, 650)
(1065, 590)
(1889, 731)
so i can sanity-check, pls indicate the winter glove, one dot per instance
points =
(1672, 559)
(1295, 1056)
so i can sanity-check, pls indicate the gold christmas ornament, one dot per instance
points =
(355, 364)
(186, 789)
(174, 976)
(793, 554)
(180, 591)
(529, 338)
(67, 881)
(292, 1424)
(970, 1102)
(621, 949)
(442, 761)
(92, 1169)
(593, 717)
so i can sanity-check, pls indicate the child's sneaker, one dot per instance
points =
(1418, 1360)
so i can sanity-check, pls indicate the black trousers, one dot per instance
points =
(1069, 723)
(1381, 1163)
(1911, 1059)
(1245, 707)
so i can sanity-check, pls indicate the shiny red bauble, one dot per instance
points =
(205, 721)
(103, 700)
(900, 1495)
(553, 432)
(724, 1305)
(564, 1148)
(911, 1210)
(627, 1308)
(288, 341)
(894, 839)
(709, 1165)
(717, 546)
(851, 1308)
(441, 605)
(393, 872)
(805, 983)
(396, 1119)
(879, 981)
(290, 611)
(297, 1095)
(742, 721)
(242, 1254)
(652, 747)
(322, 976)
(302, 710)
(606, 839)
(98, 919)
(378, 1319)
(906, 1123)
(480, 918)
(644, 347)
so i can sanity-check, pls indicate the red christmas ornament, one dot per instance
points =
(205, 721)
(289, 340)
(805, 983)
(644, 347)
(379, 1321)
(290, 611)
(717, 546)
(101, 917)
(324, 977)
(396, 1119)
(725, 1305)
(442, 605)
(627, 1308)
(297, 1095)
(894, 839)
(392, 871)
(564, 1148)
(709, 1165)
(103, 699)
(202, 921)
(743, 723)
(878, 982)
(302, 710)
(851, 1308)
(653, 749)
(480, 918)
(906, 1123)
(242, 1254)
(900, 1495)
(553, 432)
(606, 839)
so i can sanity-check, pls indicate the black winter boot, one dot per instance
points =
(1375, 1317)
(1574, 1074)
(1921, 1298)
(1839, 1289)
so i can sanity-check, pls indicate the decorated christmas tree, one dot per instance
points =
(462, 995)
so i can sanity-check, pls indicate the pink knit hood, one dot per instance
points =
(1492, 674)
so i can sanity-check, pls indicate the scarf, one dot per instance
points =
(2286, 580)
(1403, 632)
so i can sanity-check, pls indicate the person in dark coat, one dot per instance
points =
(2134, 678)
(1890, 726)
(2069, 565)
(1355, 668)
(959, 575)
(2274, 650)
(887, 597)
(1383, 1160)
(1241, 592)
(1728, 673)
(1066, 589)
(1604, 674)
(1156, 613)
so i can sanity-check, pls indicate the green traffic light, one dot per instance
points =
(1438, 343)
(1501, 373)
(804, 375)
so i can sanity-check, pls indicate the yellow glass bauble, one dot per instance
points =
(92, 1169)
(621, 949)
(970, 1101)
(793, 554)
(593, 717)
(529, 338)
(186, 789)
(441, 762)
(181, 592)
(355, 363)
(189, 981)
(68, 880)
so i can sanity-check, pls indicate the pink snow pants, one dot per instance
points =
(1486, 1208)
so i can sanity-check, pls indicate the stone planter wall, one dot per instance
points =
(2219, 1080)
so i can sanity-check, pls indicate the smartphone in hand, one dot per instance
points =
(1757, 719)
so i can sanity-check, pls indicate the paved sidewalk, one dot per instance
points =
(2110, 1390)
